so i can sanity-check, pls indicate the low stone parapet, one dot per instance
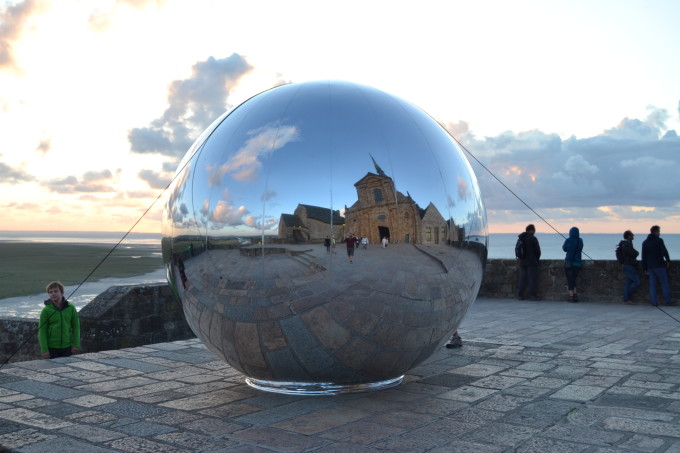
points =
(132, 315)
(120, 317)
(600, 281)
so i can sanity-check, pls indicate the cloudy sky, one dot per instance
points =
(573, 105)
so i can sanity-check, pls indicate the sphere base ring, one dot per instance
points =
(321, 388)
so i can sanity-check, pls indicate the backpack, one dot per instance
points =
(619, 252)
(520, 253)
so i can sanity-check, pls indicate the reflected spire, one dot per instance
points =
(377, 167)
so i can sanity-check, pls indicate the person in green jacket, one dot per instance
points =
(59, 327)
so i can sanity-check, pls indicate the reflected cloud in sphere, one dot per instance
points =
(258, 220)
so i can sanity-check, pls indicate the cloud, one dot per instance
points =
(12, 21)
(244, 164)
(269, 223)
(462, 189)
(268, 195)
(23, 206)
(576, 165)
(141, 4)
(635, 163)
(12, 175)
(141, 194)
(90, 182)
(193, 104)
(44, 146)
(101, 20)
(226, 214)
(156, 180)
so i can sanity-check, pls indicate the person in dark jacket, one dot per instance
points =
(59, 326)
(573, 245)
(528, 265)
(655, 262)
(629, 266)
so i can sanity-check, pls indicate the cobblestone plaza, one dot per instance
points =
(530, 377)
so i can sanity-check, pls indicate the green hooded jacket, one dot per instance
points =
(58, 328)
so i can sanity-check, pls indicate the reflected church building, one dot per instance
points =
(311, 224)
(380, 211)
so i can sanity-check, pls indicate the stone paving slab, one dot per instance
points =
(531, 377)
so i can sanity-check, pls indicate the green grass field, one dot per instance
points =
(27, 267)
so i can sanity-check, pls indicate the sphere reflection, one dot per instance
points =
(267, 206)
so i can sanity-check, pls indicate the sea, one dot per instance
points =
(501, 246)
(595, 246)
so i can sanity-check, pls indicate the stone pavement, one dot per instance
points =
(531, 377)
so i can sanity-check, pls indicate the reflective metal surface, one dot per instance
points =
(262, 189)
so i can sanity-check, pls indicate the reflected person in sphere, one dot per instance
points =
(573, 246)
(528, 264)
(350, 241)
(59, 326)
(655, 262)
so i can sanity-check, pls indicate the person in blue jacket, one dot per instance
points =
(573, 246)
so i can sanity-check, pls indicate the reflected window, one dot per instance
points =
(377, 195)
(428, 234)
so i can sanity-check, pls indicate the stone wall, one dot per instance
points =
(600, 281)
(18, 336)
(121, 317)
(129, 316)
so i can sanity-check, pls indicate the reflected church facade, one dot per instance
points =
(380, 211)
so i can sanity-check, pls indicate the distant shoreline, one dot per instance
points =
(84, 237)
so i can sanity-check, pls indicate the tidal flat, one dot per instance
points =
(27, 267)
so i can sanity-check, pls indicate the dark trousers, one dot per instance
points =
(530, 274)
(571, 274)
(60, 352)
(659, 274)
(632, 281)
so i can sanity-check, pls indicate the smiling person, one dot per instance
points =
(59, 327)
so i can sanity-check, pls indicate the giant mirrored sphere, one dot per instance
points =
(265, 209)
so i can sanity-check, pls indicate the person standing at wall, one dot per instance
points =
(655, 262)
(528, 262)
(59, 326)
(629, 266)
(573, 246)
